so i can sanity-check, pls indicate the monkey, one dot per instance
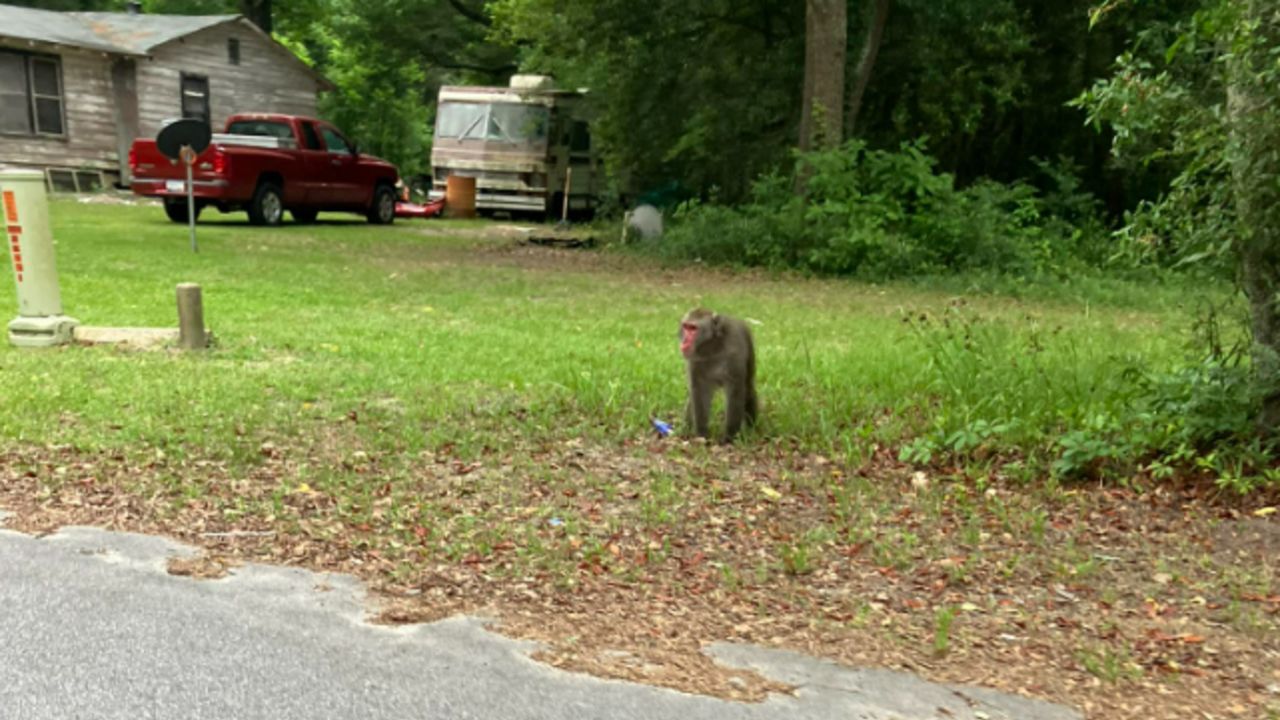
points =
(719, 353)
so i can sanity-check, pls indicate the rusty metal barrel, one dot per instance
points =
(460, 197)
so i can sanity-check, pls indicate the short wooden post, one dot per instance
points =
(191, 335)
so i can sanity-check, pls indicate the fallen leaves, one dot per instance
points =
(624, 560)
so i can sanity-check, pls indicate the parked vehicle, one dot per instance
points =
(523, 144)
(267, 164)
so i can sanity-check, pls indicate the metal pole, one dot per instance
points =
(188, 157)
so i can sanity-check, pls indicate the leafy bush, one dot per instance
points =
(878, 214)
(999, 388)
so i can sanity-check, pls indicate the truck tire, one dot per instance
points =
(304, 216)
(176, 210)
(383, 209)
(267, 205)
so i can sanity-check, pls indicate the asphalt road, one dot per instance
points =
(91, 626)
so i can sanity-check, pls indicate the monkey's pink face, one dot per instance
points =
(688, 334)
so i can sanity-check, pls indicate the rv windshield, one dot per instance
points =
(506, 122)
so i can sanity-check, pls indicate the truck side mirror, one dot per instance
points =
(355, 149)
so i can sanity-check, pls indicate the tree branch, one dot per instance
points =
(870, 48)
(488, 70)
(471, 13)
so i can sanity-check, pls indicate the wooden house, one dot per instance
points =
(76, 88)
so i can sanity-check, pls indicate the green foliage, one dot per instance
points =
(379, 102)
(1166, 105)
(997, 386)
(705, 94)
(878, 214)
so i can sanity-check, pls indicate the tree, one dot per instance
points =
(878, 16)
(258, 12)
(1204, 95)
(695, 98)
(1252, 103)
(825, 50)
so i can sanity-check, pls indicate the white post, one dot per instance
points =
(25, 212)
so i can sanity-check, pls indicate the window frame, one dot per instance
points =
(233, 51)
(183, 78)
(311, 136)
(29, 60)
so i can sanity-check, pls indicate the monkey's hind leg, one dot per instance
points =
(753, 407)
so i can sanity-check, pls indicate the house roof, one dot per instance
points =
(140, 33)
(120, 33)
(134, 34)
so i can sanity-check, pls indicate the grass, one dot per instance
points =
(434, 339)
(463, 423)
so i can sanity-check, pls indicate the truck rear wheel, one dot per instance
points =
(267, 205)
(176, 210)
(383, 209)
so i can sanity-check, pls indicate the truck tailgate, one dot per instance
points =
(148, 163)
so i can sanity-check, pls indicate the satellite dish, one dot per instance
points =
(183, 140)
(191, 133)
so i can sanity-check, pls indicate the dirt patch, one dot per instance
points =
(626, 560)
(1250, 538)
(206, 567)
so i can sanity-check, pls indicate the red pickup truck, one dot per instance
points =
(266, 164)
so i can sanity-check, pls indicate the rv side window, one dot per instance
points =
(580, 137)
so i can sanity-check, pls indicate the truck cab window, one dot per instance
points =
(335, 142)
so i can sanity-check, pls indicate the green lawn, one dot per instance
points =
(434, 338)
(463, 422)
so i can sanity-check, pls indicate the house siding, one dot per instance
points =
(266, 80)
(90, 129)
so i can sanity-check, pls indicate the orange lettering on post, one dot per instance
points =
(10, 206)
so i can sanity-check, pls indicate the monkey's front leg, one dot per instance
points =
(698, 411)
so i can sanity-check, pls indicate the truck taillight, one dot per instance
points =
(219, 161)
(133, 160)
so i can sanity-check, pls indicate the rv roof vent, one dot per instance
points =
(531, 82)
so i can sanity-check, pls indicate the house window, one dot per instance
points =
(195, 97)
(31, 94)
(233, 51)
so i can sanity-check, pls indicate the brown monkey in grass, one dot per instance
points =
(718, 353)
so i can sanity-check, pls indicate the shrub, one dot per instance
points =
(879, 215)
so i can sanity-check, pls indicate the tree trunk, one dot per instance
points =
(258, 12)
(825, 50)
(879, 14)
(1252, 107)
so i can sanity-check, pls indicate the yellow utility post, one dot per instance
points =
(25, 212)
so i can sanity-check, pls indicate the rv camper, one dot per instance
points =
(526, 145)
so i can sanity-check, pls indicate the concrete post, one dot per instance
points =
(191, 334)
